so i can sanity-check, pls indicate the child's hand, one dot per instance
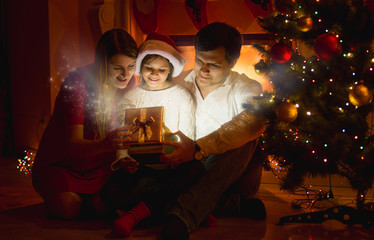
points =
(129, 164)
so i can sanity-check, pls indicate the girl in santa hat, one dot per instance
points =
(140, 190)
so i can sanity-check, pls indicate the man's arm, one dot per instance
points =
(241, 129)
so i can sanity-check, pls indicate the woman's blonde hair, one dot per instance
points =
(112, 42)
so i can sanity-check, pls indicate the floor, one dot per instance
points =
(22, 215)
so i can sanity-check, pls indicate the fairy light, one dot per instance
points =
(26, 162)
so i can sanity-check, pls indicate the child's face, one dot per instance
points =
(155, 72)
(120, 70)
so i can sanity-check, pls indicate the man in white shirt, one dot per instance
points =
(226, 133)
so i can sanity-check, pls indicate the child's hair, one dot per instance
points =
(150, 57)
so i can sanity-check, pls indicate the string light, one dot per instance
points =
(26, 162)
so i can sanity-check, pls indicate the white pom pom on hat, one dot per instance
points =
(161, 45)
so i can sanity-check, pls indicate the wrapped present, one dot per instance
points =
(146, 126)
(148, 132)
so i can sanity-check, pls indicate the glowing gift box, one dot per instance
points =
(146, 125)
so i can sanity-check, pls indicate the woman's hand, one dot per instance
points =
(118, 138)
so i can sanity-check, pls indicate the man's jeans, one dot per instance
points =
(221, 171)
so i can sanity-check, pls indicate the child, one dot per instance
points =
(141, 188)
(157, 63)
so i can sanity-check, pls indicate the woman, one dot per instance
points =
(79, 143)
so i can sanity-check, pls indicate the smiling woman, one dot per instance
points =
(121, 70)
(79, 143)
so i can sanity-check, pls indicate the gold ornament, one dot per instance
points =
(261, 67)
(304, 23)
(287, 112)
(360, 95)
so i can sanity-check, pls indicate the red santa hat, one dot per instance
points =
(161, 45)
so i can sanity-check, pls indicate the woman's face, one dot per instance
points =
(121, 69)
(155, 72)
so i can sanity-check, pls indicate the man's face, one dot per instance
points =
(211, 68)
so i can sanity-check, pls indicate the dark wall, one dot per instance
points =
(28, 49)
(6, 125)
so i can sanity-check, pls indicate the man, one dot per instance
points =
(226, 133)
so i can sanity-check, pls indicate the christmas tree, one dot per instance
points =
(320, 110)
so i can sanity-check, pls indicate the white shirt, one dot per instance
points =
(179, 107)
(223, 103)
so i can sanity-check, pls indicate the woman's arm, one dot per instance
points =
(79, 147)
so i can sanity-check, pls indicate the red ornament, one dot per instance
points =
(327, 45)
(196, 10)
(145, 13)
(281, 53)
(259, 8)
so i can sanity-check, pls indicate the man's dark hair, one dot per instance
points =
(219, 34)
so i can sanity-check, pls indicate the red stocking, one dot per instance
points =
(259, 8)
(196, 10)
(124, 224)
(145, 12)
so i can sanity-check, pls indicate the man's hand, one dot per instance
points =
(184, 150)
